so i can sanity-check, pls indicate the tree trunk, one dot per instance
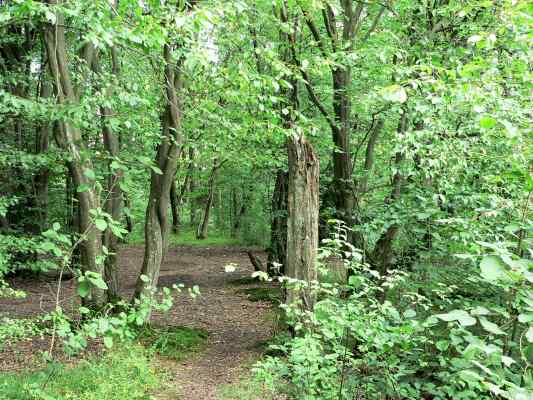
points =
(302, 226)
(40, 180)
(239, 213)
(277, 252)
(80, 166)
(174, 206)
(177, 198)
(203, 227)
(192, 188)
(127, 204)
(156, 228)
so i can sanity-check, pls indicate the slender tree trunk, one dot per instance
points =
(203, 227)
(302, 226)
(40, 180)
(80, 166)
(277, 252)
(177, 199)
(239, 212)
(156, 229)
(192, 188)
(127, 204)
(174, 206)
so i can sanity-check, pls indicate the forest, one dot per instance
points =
(266, 200)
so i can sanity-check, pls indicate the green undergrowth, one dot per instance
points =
(246, 389)
(269, 294)
(174, 342)
(187, 237)
(247, 280)
(121, 373)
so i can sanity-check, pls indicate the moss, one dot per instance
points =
(173, 342)
(270, 294)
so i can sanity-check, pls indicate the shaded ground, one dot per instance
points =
(236, 325)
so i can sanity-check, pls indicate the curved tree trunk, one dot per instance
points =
(156, 228)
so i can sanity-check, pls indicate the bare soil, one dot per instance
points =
(236, 325)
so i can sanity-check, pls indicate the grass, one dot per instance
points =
(173, 342)
(187, 237)
(246, 389)
(122, 373)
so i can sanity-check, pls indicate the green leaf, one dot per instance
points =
(493, 269)
(460, 316)
(487, 122)
(83, 288)
(89, 173)
(529, 334)
(490, 326)
(395, 93)
(108, 341)
(98, 282)
(442, 345)
(157, 170)
(56, 226)
(83, 188)
(100, 224)
(525, 318)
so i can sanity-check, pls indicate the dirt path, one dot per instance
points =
(236, 325)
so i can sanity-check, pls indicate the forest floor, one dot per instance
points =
(237, 327)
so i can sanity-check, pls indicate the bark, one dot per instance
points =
(277, 252)
(40, 180)
(256, 262)
(69, 138)
(302, 227)
(203, 227)
(156, 229)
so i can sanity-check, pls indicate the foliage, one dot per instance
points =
(378, 336)
(173, 342)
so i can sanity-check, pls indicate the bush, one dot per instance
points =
(377, 337)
